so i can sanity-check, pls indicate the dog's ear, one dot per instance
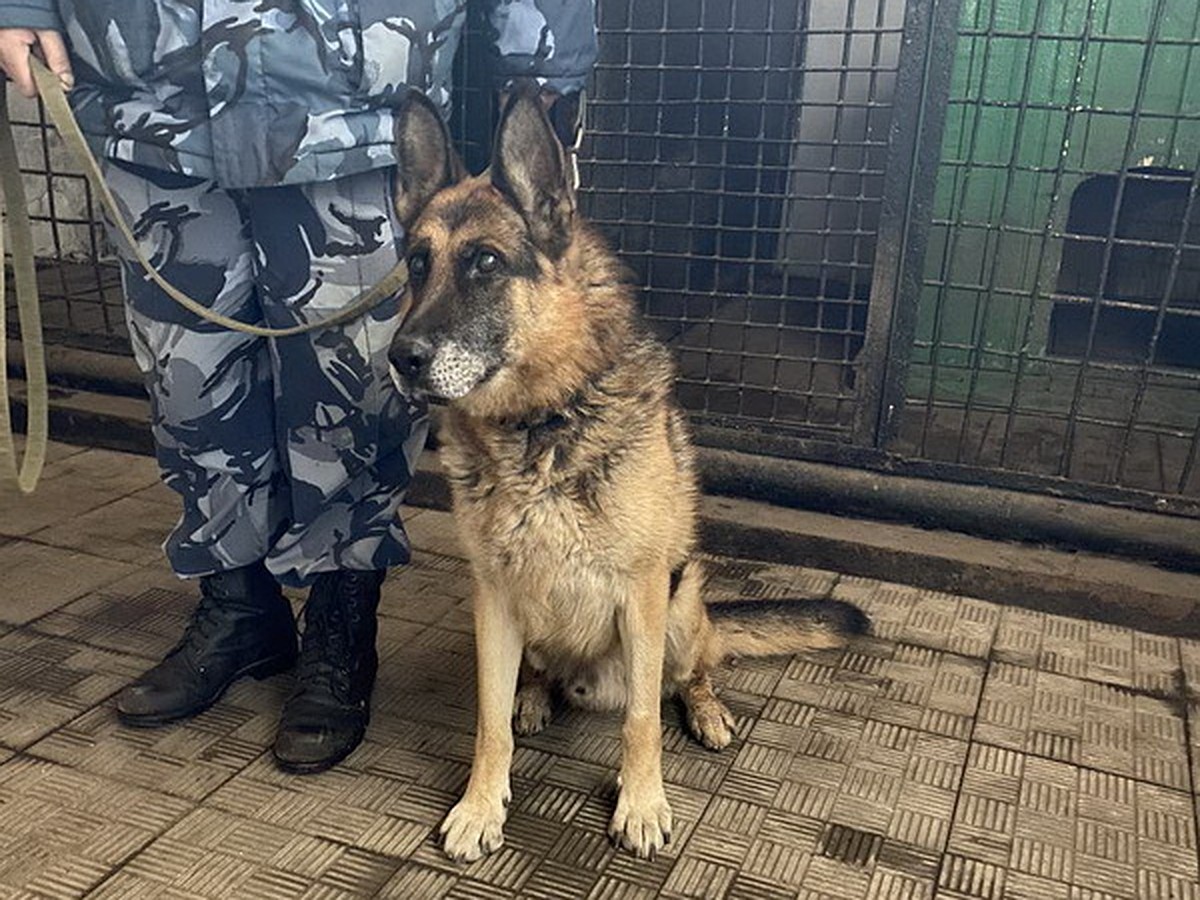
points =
(426, 160)
(529, 167)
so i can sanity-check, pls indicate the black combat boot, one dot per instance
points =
(327, 715)
(241, 626)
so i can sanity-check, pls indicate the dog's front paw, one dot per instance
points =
(642, 822)
(473, 829)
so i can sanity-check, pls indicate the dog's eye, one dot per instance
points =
(486, 262)
(418, 265)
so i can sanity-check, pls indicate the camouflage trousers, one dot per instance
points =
(298, 450)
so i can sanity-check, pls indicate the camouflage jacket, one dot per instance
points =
(262, 92)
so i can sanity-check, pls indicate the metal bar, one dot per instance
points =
(1065, 460)
(1190, 464)
(1159, 431)
(1041, 285)
(51, 206)
(1097, 365)
(859, 231)
(731, 433)
(721, 203)
(922, 89)
(1083, 419)
(979, 317)
(822, 293)
(1159, 319)
(743, 330)
(94, 259)
(796, 98)
(962, 189)
(1168, 290)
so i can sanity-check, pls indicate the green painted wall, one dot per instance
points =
(1042, 97)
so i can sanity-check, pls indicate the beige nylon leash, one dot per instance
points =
(29, 315)
(58, 109)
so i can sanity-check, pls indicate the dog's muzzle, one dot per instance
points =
(409, 357)
(447, 371)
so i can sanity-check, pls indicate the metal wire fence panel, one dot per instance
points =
(735, 153)
(1058, 317)
(1022, 308)
(78, 278)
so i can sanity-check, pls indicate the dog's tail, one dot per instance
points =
(783, 627)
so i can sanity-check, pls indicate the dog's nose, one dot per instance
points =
(410, 356)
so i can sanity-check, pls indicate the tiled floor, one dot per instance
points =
(965, 750)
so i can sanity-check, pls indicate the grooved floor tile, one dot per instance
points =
(128, 529)
(73, 484)
(45, 682)
(62, 831)
(963, 750)
(1101, 726)
(39, 578)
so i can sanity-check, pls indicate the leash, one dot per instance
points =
(28, 314)
(54, 99)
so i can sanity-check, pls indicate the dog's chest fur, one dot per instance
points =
(558, 510)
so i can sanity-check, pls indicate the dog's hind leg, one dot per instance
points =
(709, 720)
(532, 708)
(692, 651)
(475, 825)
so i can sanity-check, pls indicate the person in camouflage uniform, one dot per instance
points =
(250, 145)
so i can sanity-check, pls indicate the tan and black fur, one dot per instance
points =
(573, 475)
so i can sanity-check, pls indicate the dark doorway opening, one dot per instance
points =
(1149, 230)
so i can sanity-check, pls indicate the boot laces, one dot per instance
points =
(326, 650)
(206, 619)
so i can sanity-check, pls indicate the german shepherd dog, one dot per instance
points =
(572, 472)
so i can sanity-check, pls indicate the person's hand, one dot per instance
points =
(15, 46)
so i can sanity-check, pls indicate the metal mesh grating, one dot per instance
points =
(735, 152)
(78, 277)
(1058, 326)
